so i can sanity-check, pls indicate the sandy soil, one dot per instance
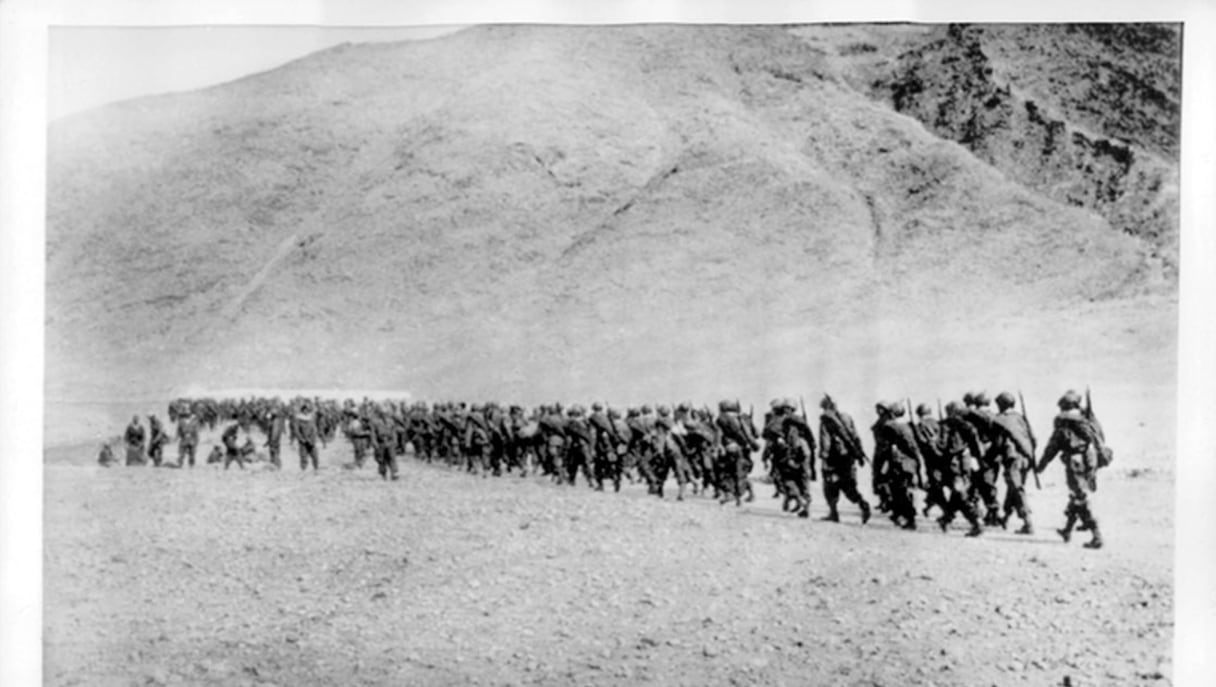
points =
(162, 577)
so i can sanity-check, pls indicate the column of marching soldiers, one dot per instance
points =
(957, 458)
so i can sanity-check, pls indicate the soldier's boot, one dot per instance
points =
(976, 530)
(1066, 532)
(944, 522)
(865, 511)
(1027, 526)
(1096, 542)
(832, 515)
(751, 495)
(680, 493)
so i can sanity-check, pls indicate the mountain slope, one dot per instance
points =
(544, 211)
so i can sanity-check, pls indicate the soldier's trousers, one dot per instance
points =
(1015, 489)
(274, 455)
(727, 470)
(607, 467)
(477, 458)
(308, 452)
(577, 458)
(903, 504)
(361, 445)
(185, 451)
(1080, 486)
(938, 492)
(984, 486)
(386, 461)
(795, 483)
(234, 454)
(958, 502)
(840, 482)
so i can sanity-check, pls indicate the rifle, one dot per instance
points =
(1034, 444)
(859, 453)
(940, 414)
(807, 423)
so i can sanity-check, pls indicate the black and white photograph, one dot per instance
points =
(617, 347)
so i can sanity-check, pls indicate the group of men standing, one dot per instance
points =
(958, 458)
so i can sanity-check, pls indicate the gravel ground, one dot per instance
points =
(206, 577)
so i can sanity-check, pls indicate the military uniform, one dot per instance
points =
(841, 452)
(1078, 440)
(274, 436)
(669, 455)
(927, 431)
(360, 435)
(384, 444)
(737, 445)
(902, 460)
(304, 429)
(580, 447)
(1013, 447)
(607, 463)
(187, 438)
(960, 448)
(986, 481)
(477, 446)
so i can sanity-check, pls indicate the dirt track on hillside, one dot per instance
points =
(162, 577)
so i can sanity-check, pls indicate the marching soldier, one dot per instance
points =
(841, 452)
(902, 459)
(383, 434)
(960, 448)
(274, 435)
(984, 485)
(607, 464)
(187, 436)
(1079, 442)
(928, 434)
(737, 443)
(304, 429)
(1013, 447)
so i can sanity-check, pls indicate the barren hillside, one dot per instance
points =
(536, 212)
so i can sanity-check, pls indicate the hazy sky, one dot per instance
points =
(92, 66)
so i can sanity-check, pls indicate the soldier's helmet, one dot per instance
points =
(953, 408)
(789, 403)
(882, 407)
(775, 404)
(1004, 400)
(664, 411)
(1070, 399)
(572, 411)
(827, 403)
(632, 412)
(646, 410)
(896, 409)
(597, 406)
(968, 399)
(981, 399)
(614, 413)
(724, 406)
(923, 409)
(684, 407)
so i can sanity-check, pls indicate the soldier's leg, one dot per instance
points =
(831, 495)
